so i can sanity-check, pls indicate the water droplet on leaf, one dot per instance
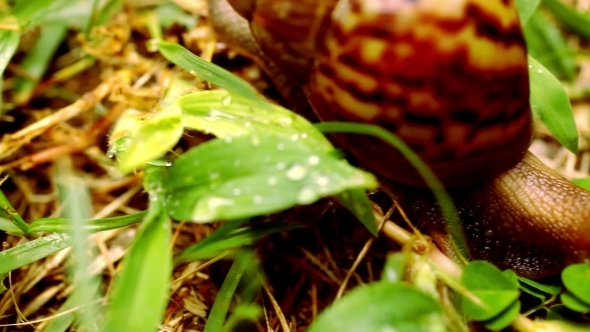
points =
(296, 172)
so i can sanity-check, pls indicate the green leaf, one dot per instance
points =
(151, 138)
(357, 201)
(169, 14)
(8, 43)
(219, 113)
(576, 279)
(582, 182)
(505, 318)
(37, 60)
(140, 293)
(382, 306)
(526, 8)
(546, 44)
(254, 175)
(62, 225)
(569, 17)
(12, 221)
(394, 269)
(550, 101)
(74, 197)
(32, 251)
(496, 291)
(550, 289)
(230, 284)
(574, 303)
(210, 72)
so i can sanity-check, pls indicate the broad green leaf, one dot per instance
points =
(569, 17)
(547, 45)
(550, 101)
(382, 306)
(152, 138)
(357, 201)
(505, 318)
(582, 182)
(210, 72)
(32, 251)
(526, 8)
(574, 303)
(394, 269)
(219, 113)
(576, 279)
(496, 291)
(253, 175)
(140, 292)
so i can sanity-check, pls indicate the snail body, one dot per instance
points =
(451, 80)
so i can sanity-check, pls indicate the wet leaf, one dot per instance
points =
(222, 114)
(576, 279)
(526, 8)
(254, 175)
(505, 318)
(395, 267)
(550, 101)
(382, 306)
(496, 291)
(574, 303)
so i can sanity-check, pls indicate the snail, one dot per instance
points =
(451, 80)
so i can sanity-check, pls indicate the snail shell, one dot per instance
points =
(450, 78)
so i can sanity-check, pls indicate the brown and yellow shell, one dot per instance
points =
(449, 78)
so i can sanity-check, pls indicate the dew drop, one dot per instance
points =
(193, 72)
(111, 155)
(294, 137)
(168, 163)
(285, 121)
(296, 172)
(530, 66)
(272, 181)
(255, 140)
(226, 100)
(236, 191)
(280, 146)
(540, 71)
(228, 139)
(281, 165)
(323, 181)
(257, 199)
(304, 135)
(306, 195)
(313, 160)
